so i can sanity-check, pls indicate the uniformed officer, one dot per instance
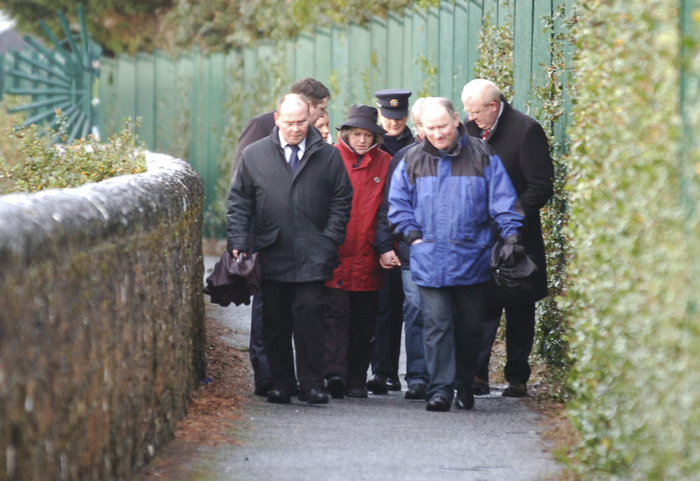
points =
(393, 114)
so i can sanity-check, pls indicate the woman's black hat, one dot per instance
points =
(363, 117)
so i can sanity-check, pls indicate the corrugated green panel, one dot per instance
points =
(433, 51)
(184, 71)
(380, 44)
(126, 90)
(166, 103)
(446, 67)
(505, 12)
(419, 49)
(217, 107)
(408, 60)
(322, 56)
(146, 99)
(290, 51)
(395, 51)
(491, 6)
(108, 97)
(340, 74)
(359, 64)
(541, 44)
(522, 53)
(461, 45)
(568, 81)
(304, 56)
(476, 14)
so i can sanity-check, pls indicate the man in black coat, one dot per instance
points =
(292, 193)
(258, 128)
(522, 145)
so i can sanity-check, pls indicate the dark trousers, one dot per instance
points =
(294, 309)
(350, 318)
(452, 336)
(389, 326)
(520, 334)
(258, 358)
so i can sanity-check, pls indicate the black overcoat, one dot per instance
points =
(298, 219)
(521, 143)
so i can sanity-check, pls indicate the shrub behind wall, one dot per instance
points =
(101, 322)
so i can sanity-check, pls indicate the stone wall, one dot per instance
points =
(101, 322)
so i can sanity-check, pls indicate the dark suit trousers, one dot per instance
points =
(351, 318)
(389, 326)
(294, 309)
(258, 358)
(520, 334)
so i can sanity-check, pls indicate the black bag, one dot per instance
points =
(512, 268)
(234, 281)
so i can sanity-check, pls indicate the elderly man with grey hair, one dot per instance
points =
(385, 240)
(445, 195)
(522, 146)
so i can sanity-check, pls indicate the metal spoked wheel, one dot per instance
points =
(61, 77)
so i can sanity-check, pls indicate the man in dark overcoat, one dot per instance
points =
(258, 128)
(292, 193)
(521, 143)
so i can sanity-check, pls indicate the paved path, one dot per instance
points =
(379, 438)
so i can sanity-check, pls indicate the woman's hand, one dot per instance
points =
(389, 260)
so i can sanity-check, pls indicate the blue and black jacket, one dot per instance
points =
(450, 201)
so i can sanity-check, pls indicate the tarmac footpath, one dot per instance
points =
(380, 438)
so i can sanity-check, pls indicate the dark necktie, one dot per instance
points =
(294, 158)
(485, 134)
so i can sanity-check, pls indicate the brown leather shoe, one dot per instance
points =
(515, 390)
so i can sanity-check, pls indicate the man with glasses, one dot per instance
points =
(522, 145)
(292, 193)
(258, 128)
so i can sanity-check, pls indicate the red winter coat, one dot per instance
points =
(359, 268)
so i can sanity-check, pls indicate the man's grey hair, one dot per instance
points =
(442, 102)
(483, 89)
(417, 110)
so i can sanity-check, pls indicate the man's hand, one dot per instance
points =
(389, 260)
(236, 253)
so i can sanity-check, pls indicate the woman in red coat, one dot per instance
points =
(352, 296)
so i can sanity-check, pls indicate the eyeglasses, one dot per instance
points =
(476, 113)
(301, 124)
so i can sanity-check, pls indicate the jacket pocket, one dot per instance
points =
(423, 262)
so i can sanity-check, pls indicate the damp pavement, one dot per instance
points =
(380, 438)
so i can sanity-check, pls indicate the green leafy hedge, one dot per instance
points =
(634, 286)
(36, 164)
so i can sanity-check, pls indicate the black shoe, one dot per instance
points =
(464, 399)
(438, 403)
(415, 391)
(263, 387)
(279, 396)
(336, 386)
(358, 392)
(481, 386)
(515, 390)
(313, 396)
(393, 384)
(377, 384)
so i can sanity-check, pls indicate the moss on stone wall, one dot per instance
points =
(102, 322)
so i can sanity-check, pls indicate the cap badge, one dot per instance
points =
(394, 103)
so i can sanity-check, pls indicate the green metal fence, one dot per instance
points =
(431, 52)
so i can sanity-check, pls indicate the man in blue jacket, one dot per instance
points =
(444, 196)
